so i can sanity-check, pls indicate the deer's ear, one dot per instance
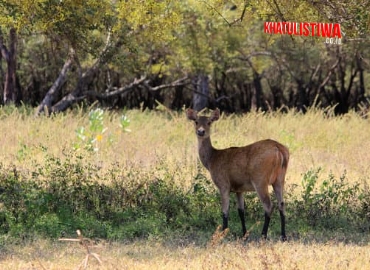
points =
(215, 115)
(191, 114)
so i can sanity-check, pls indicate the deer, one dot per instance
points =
(253, 167)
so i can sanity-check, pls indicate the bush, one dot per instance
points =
(332, 205)
(62, 196)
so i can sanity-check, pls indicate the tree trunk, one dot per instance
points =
(76, 94)
(1, 73)
(302, 98)
(85, 78)
(256, 92)
(10, 88)
(201, 92)
(277, 97)
(46, 103)
(361, 95)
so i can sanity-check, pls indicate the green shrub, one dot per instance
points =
(64, 195)
(332, 205)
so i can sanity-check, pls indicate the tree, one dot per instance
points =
(198, 53)
(11, 89)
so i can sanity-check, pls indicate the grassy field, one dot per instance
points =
(162, 145)
(232, 255)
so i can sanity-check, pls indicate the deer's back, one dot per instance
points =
(245, 168)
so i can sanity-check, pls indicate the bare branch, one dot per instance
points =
(50, 95)
(277, 10)
(117, 91)
(329, 73)
(244, 9)
(219, 14)
(85, 78)
(179, 82)
(253, 54)
(137, 82)
(86, 243)
(102, 57)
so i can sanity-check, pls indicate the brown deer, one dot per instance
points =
(239, 169)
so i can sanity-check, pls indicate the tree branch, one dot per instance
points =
(85, 78)
(58, 83)
(117, 91)
(3, 49)
(137, 82)
(179, 82)
(253, 54)
(325, 81)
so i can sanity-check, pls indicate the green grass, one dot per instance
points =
(146, 191)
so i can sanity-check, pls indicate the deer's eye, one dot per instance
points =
(196, 122)
(209, 123)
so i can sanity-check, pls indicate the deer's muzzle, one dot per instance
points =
(201, 132)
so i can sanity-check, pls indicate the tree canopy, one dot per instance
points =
(57, 53)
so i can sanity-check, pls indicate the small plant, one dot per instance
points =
(308, 184)
(90, 138)
(124, 123)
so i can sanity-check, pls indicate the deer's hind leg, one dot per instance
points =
(267, 206)
(279, 190)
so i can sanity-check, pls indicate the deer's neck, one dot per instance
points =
(206, 151)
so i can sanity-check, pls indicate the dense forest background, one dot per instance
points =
(137, 54)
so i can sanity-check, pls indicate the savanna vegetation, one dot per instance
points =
(132, 183)
(94, 136)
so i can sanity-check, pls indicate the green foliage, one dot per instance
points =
(166, 40)
(65, 195)
(333, 204)
(162, 194)
(124, 123)
(67, 19)
(89, 139)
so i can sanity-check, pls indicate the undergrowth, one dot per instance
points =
(60, 196)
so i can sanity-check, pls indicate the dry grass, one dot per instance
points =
(335, 144)
(230, 255)
(160, 140)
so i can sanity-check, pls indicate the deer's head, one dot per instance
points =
(202, 123)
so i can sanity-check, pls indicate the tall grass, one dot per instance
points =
(150, 177)
(335, 144)
(148, 184)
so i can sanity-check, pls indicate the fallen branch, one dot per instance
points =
(86, 243)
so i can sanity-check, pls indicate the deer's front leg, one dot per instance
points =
(240, 199)
(225, 205)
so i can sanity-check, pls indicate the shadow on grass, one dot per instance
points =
(60, 198)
